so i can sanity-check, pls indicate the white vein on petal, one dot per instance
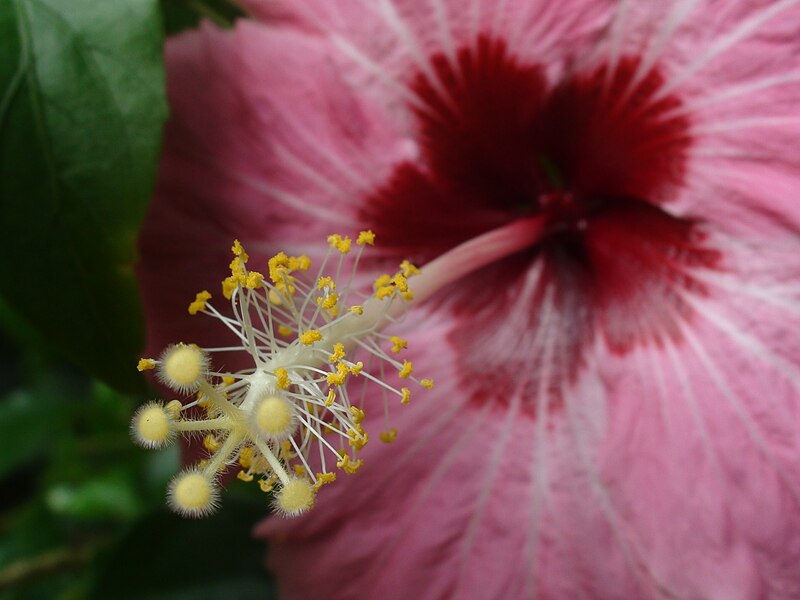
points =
(445, 34)
(538, 475)
(629, 546)
(737, 405)
(677, 16)
(722, 43)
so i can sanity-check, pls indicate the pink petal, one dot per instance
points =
(676, 478)
(669, 469)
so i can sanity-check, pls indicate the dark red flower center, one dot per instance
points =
(599, 154)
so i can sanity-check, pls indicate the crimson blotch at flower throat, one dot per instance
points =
(596, 156)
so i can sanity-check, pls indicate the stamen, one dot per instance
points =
(293, 404)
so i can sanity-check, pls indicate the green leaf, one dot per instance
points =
(81, 109)
(165, 557)
(25, 425)
(186, 14)
(110, 496)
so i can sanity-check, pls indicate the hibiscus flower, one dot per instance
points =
(616, 408)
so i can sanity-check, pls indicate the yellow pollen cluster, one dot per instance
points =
(398, 344)
(338, 378)
(405, 372)
(199, 302)
(338, 352)
(366, 238)
(324, 479)
(281, 266)
(329, 304)
(309, 337)
(326, 282)
(387, 286)
(145, 364)
(342, 244)
(387, 437)
(347, 465)
(282, 378)
(291, 409)
(239, 277)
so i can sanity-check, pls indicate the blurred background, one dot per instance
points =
(82, 510)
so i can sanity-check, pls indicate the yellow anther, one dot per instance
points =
(229, 285)
(408, 269)
(357, 309)
(339, 377)
(300, 470)
(366, 238)
(400, 282)
(326, 282)
(211, 443)
(275, 298)
(282, 377)
(382, 281)
(145, 364)
(358, 437)
(254, 279)
(347, 465)
(299, 263)
(357, 414)
(266, 485)
(246, 456)
(387, 437)
(199, 302)
(383, 292)
(408, 296)
(324, 479)
(405, 372)
(338, 352)
(398, 344)
(244, 476)
(426, 383)
(337, 242)
(356, 368)
(329, 302)
(239, 252)
(284, 331)
(310, 336)
(228, 380)
(405, 395)
(331, 398)
(278, 267)
(237, 270)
